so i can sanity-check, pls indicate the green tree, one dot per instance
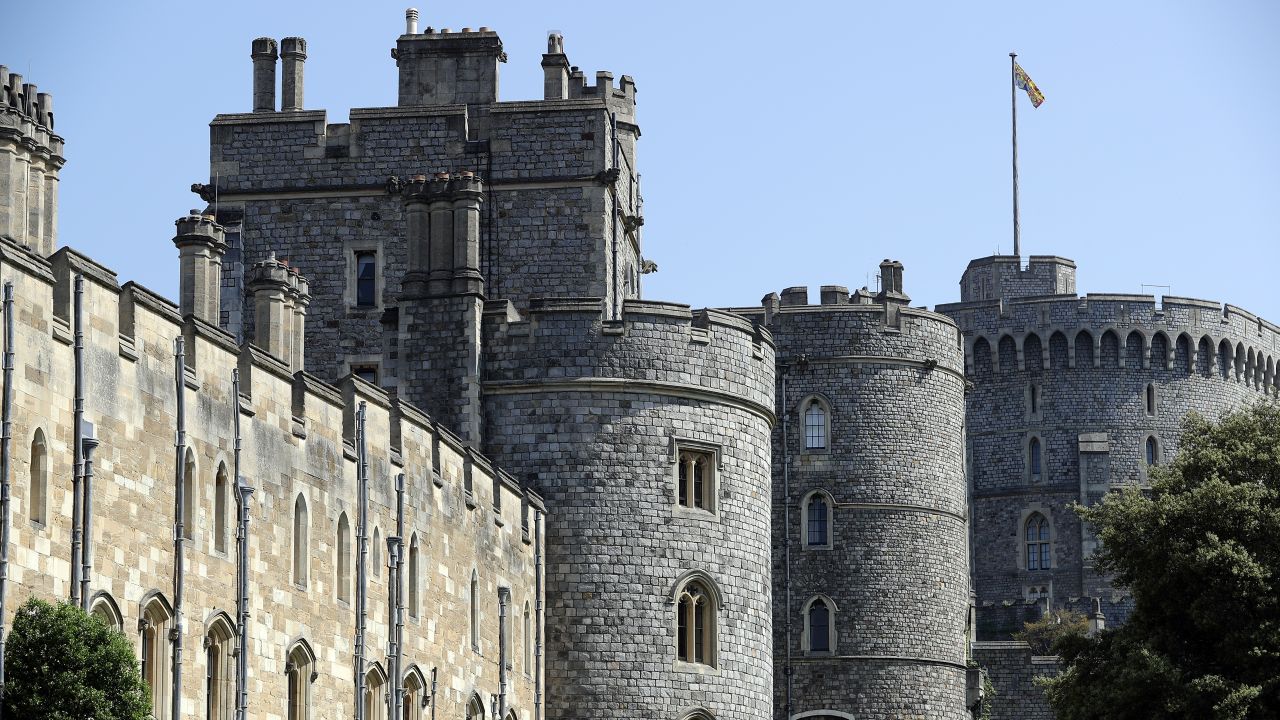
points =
(1201, 555)
(62, 664)
(1041, 634)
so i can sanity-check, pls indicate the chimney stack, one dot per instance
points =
(293, 53)
(468, 192)
(264, 74)
(891, 283)
(411, 21)
(201, 244)
(300, 297)
(555, 69)
(444, 235)
(271, 284)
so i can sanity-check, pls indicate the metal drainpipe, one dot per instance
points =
(6, 440)
(362, 479)
(243, 491)
(88, 443)
(393, 651)
(77, 451)
(180, 448)
(537, 645)
(504, 641)
(396, 556)
(612, 192)
(786, 514)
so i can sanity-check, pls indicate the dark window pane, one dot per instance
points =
(698, 500)
(817, 521)
(819, 627)
(366, 279)
(682, 633)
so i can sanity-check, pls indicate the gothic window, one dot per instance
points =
(189, 500)
(375, 706)
(819, 630)
(816, 511)
(696, 623)
(154, 627)
(301, 535)
(219, 648)
(475, 708)
(366, 278)
(221, 488)
(413, 576)
(343, 564)
(37, 496)
(475, 611)
(527, 641)
(815, 425)
(300, 672)
(1037, 541)
(105, 609)
(1035, 461)
(696, 479)
(414, 688)
(1153, 450)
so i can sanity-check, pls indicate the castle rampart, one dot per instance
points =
(464, 519)
(646, 434)
(870, 510)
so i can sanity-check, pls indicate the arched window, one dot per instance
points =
(1151, 399)
(376, 552)
(816, 510)
(475, 708)
(38, 495)
(220, 667)
(221, 488)
(343, 581)
(696, 623)
(300, 672)
(375, 706)
(819, 630)
(301, 541)
(696, 479)
(815, 425)
(475, 611)
(527, 644)
(1034, 460)
(105, 609)
(189, 500)
(415, 686)
(1037, 540)
(1153, 450)
(156, 617)
(413, 576)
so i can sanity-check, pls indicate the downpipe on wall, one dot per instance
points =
(537, 644)
(362, 483)
(395, 564)
(6, 442)
(77, 420)
(243, 491)
(180, 450)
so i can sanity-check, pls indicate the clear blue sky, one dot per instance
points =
(784, 143)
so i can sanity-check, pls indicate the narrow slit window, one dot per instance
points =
(366, 278)
(1033, 449)
(1153, 451)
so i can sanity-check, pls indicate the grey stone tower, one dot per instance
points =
(871, 587)
(30, 158)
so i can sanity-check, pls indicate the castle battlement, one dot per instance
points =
(575, 339)
(1121, 330)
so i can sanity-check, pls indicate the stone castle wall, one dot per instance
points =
(895, 571)
(298, 442)
(1091, 361)
(594, 412)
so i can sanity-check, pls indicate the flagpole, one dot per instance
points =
(1013, 103)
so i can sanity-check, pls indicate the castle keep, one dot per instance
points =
(411, 444)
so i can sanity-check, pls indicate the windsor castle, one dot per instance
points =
(411, 443)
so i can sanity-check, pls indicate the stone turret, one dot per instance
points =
(30, 158)
(280, 298)
(444, 234)
(201, 244)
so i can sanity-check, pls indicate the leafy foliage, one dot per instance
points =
(1043, 633)
(62, 664)
(1201, 555)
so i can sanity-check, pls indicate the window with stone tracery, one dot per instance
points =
(696, 480)
(695, 624)
(1037, 540)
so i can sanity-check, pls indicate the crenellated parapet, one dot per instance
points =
(30, 158)
(1178, 334)
(664, 346)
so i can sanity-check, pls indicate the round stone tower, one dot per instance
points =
(871, 587)
(648, 435)
(1074, 397)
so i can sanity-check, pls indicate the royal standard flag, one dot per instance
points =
(1022, 81)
